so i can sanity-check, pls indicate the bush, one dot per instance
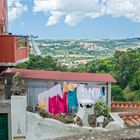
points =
(101, 109)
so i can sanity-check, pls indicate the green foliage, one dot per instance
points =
(133, 96)
(117, 93)
(42, 63)
(135, 84)
(124, 66)
(101, 109)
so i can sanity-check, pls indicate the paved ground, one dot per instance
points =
(127, 134)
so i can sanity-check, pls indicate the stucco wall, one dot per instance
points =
(40, 129)
(18, 115)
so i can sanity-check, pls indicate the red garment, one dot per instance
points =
(53, 105)
(62, 104)
(58, 105)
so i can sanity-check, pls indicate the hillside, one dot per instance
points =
(74, 52)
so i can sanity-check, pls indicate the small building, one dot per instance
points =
(37, 81)
(13, 50)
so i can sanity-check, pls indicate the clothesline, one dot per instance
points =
(56, 102)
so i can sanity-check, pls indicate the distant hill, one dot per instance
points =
(74, 52)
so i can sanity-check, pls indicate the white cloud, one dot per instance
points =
(74, 18)
(15, 9)
(125, 8)
(54, 18)
(74, 11)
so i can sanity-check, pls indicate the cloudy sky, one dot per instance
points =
(75, 19)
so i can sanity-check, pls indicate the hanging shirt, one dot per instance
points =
(72, 86)
(44, 96)
(102, 94)
(84, 93)
(72, 100)
(43, 101)
(65, 87)
(56, 90)
(81, 92)
(62, 104)
(53, 105)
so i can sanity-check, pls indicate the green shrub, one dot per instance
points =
(101, 109)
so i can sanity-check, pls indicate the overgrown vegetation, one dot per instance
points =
(124, 66)
(101, 109)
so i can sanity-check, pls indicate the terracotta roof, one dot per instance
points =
(125, 105)
(56, 75)
(131, 119)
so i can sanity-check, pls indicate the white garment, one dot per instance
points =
(44, 96)
(54, 91)
(84, 93)
(95, 94)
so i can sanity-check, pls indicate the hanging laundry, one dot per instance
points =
(42, 101)
(58, 105)
(102, 94)
(44, 96)
(103, 90)
(65, 87)
(81, 92)
(95, 94)
(72, 86)
(56, 90)
(53, 105)
(72, 101)
(68, 87)
(62, 104)
(84, 93)
(42, 105)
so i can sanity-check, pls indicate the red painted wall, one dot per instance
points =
(9, 51)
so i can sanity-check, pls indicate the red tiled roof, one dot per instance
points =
(125, 105)
(131, 119)
(56, 75)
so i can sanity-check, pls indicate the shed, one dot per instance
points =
(37, 81)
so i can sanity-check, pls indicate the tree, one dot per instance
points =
(117, 94)
(135, 84)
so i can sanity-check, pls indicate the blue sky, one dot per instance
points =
(50, 19)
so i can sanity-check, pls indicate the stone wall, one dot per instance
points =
(127, 134)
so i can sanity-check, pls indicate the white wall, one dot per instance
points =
(43, 129)
(18, 115)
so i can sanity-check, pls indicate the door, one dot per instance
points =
(3, 126)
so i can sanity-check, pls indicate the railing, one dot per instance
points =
(125, 104)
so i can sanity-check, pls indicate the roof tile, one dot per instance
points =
(131, 119)
(57, 75)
